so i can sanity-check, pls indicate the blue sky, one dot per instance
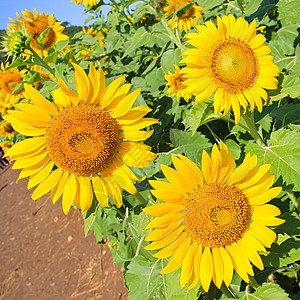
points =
(63, 10)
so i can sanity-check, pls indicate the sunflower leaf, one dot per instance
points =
(144, 281)
(185, 142)
(289, 11)
(286, 114)
(283, 154)
(267, 291)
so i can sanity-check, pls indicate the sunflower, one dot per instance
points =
(215, 219)
(93, 32)
(187, 19)
(9, 79)
(84, 143)
(5, 145)
(36, 24)
(86, 2)
(177, 86)
(43, 74)
(6, 130)
(231, 62)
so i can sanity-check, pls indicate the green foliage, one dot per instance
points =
(267, 291)
(141, 45)
(283, 153)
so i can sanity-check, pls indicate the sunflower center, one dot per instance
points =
(82, 140)
(9, 81)
(216, 215)
(234, 65)
(35, 29)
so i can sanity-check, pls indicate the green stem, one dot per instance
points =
(40, 61)
(232, 121)
(252, 128)
(140, 198)
(253, 282)
(228, 291)
(292, 196)
(171, 32)
(212, 132)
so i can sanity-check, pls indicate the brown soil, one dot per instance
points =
(44, 254)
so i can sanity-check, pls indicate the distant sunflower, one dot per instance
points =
(43, 74)
(36, 24)
(214, 220)
(187, 20)
(232, 62)
(177, 86)
(85, 2)
(6, 145)
(6, 130)
(84, 146)
(9, 79)
(93, 32)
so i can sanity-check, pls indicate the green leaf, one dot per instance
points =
(185, 142)
(88, 223)
(289, 11)
(281, 255)
(182, 10)
(258, 9)
(291, 86)
(41, 39)
(140, 38)
(287, 114)
(144, 281)
(195, 116)
(291, 226)
(61, 45)
(234, 148)
(283, 154)
(175, 291)
(267, 291)
(169, 58)
(286, 37)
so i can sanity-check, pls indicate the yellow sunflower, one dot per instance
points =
(6, 130)
(213, 220)
(86, 2)
(9, 79)
(84, 143)
(177, 86)
(6, 145)
(35, 24)
(43, 74)
(187, 20)
(93, 32)
(230, 61)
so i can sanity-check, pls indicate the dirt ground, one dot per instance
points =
(44, 254)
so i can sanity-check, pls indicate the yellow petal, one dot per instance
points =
(40, 176)
(108, 94)
(188, 264)
(125, 104)
(140, 124)
(69, 193)
(83, 85)
(37, 99)
(134, 114)
(136, 135)
(161, 209)
(48, 184)
(113, 190)
(71, 94)
(124, 181)
(265, 197)
(227, 265)
(86, 192)
(25, 146)
(168, 196)
(178, 257)
(57, 191)
(218, 269)
(100, 191)
(31, 161)
(164, 221)
(206, 268)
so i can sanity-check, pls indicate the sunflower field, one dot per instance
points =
(173, 126)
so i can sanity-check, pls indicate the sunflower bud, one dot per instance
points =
(15, 42)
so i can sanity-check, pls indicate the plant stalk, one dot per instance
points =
(252, 128)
